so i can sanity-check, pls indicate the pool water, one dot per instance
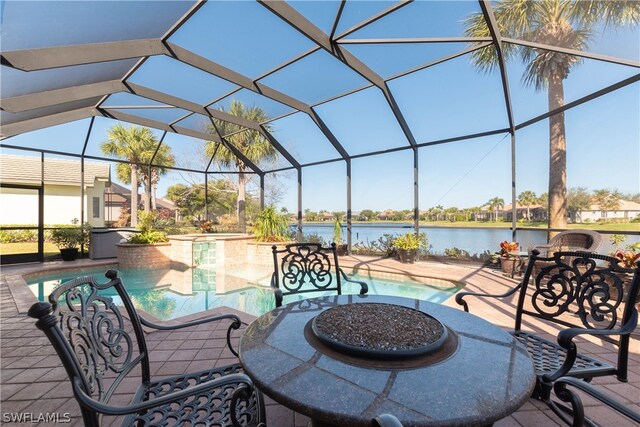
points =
(171, 293)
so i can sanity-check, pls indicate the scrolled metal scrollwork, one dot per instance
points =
(95, 330)
(306, 264)
(596, 291)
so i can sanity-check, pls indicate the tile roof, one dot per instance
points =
(27, 170)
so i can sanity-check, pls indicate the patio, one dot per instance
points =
(413, 112)
(38, 384)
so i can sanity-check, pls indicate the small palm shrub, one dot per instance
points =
(271, 226)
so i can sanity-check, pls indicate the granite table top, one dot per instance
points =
(483, 375)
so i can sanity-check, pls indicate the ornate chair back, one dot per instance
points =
(580, 290)
(98, 346)
(305, 267)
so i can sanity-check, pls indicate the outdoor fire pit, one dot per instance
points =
(375, 330)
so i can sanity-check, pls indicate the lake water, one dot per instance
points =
(472, 240)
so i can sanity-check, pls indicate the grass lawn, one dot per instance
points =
(28, 248)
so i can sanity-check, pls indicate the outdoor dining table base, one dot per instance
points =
(480, 375)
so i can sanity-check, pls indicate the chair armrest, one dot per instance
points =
(577, 417)
(107, 409)
(364, 288)
(386, 420)
(463, 303)
(565, 339)
(235, 324)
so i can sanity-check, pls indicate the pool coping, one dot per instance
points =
(24, 297)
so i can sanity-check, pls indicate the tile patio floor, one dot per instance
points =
(32, 379)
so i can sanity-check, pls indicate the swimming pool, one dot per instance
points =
(171, 293)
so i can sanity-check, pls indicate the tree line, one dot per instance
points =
(578, 199)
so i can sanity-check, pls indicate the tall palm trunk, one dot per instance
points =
(154, 197)
(242, 216)
(147, 189)
(134, 195)
(558, 158)
(154, 186)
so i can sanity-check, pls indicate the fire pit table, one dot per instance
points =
(342, 360)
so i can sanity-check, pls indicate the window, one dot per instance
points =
(96, 207)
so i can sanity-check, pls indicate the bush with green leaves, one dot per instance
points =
(382, 246)
(66, 238)
(18, 236)
(147, 222)
(411, 242)
(337, 232)
(456, 253)
(271, 226)
(313, 238)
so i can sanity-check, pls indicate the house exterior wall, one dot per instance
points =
(595, 215)
(18, 206)
(61, 205)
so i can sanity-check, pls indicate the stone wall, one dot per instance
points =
(260, 253)
(181, 251)
(232, 251)
(136, 256)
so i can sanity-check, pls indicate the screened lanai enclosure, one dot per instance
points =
(428, 107)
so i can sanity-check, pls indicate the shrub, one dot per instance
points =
(149, 237)
(206, 226)
(382, 246)
(17, 236)
(147, 222)
(66, 238)
(411, 241)
(313, 238)
(337, 232)
(456, 253)
(271, 226)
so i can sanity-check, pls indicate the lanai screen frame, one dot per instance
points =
(54, 57)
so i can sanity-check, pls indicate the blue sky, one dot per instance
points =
(448, 100)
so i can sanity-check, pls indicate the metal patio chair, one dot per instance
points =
(575, 416)
(568, 241)
(571, 241)
(584, 293)
(100, 346)
(307, 267)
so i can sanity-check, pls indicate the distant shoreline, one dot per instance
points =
(628, 227)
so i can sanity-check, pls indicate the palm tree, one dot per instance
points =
(495, 204)
(563, 23)
(249, 142)
(162, 157)
(527, 198)
(131, 144)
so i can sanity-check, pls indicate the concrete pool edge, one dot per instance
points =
(361, 265)
(24, 298)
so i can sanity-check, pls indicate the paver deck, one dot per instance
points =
(33, 381)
